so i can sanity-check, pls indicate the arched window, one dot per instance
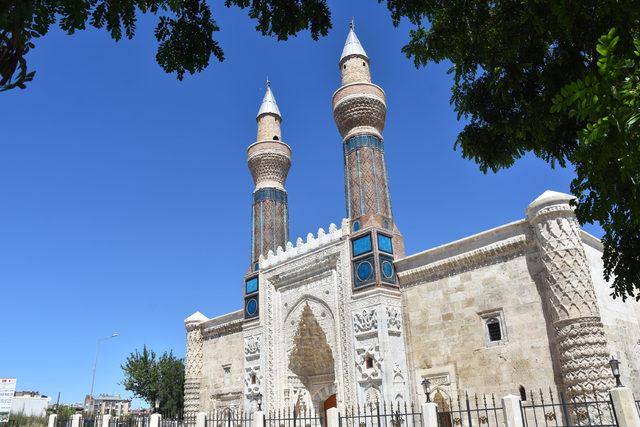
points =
(494, 330)
(275, 138)
(253, 378)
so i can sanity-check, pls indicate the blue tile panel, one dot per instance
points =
(363, 141)
(364, 272)
(251, 307)
(270, 194)
(362, 245)
(251, 285)
(385, 244)
(387, 270)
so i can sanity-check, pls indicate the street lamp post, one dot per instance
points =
(95, 363)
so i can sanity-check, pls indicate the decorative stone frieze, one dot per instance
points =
(365, 321)
(320, 240)
(394, 320)
(487, 255)
(252, 347)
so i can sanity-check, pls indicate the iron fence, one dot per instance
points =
(470, 412)
(228, 418)
(385, 415)
(297, 417)
(583, 410)
(63, 421)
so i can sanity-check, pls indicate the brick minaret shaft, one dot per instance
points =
(359, 109)
(269, 161)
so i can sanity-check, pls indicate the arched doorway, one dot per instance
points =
(311, 360)
(330, 402)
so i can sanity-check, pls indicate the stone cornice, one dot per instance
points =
(223, 325)
(504, 249)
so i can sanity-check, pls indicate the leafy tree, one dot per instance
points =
(65, 411)
(184, 30)
(510, 60)
(607, 156)
(151, 378)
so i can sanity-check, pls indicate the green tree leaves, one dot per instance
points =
(151, 378)
(607, 156)
(185, 29)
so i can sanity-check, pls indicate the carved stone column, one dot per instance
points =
(569, 297)
(193, 363)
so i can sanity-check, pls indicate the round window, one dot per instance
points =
(252, 307)
(364, 270)
(387, 269)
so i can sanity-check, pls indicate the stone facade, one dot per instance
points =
(344, 317)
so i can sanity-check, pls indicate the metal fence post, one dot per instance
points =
(511, 411)
(624, 406)
(52, 420)
(429, 414)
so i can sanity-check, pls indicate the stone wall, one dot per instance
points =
(621, 320)
(450, 292)
(448, 338)
(223, 366)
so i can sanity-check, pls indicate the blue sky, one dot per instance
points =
(125, 195)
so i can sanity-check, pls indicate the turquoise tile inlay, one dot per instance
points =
(251, 285)
(251, 307)
(362, 245)
(385, 244)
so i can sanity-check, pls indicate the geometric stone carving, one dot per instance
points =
(252, 347)
(570, 296)
(394, 320)
(311, 354)
(365, 321)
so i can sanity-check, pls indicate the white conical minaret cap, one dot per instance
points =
(269, 105)
(352, 46)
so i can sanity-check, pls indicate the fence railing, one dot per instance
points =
(228, 418)
(560, 411)
(302, 417)
(381, 415)
(472, 411)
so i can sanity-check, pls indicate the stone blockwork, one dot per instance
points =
(223, 368)
(449, 292)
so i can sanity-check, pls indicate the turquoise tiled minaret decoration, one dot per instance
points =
(269, 161)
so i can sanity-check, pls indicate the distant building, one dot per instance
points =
(30, 403)
(107, 404)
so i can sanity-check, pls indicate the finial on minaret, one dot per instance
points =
(352, 46)
(269, 105)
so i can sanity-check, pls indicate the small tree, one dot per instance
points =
(151, 378)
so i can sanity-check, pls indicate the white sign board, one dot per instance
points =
(7, 390)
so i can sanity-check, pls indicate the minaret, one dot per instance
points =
(269, 161)
(359, 109)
